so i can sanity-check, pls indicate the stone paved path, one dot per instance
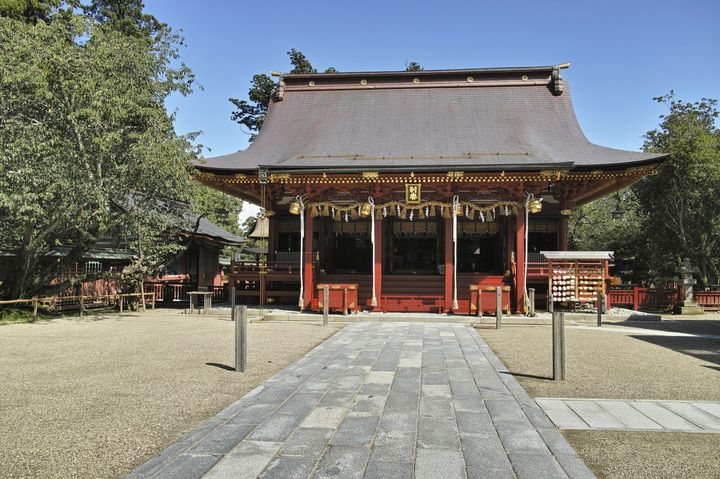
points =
(670, 416)
(380, 400)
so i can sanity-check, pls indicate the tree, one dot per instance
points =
(87, 149)
(218, 207)
(682, 201)
(670, 215)
(413, 67)
(251, 114)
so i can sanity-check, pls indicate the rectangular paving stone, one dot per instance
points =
(276, 428)
(561, 414)
(627, 415)
(289, 468)
(435, 390)
(520, 436)
(436, 463)
(403, 422)
(705, 421)
(484, 450)
(388, 470)
(325, 417)
(299, 404)
(475, 422)
(711, 408)
(374, 389)
(245, 461)
(222, 439)
(368, 404)
(402, 401)
(663, 416)
(436, 407)
(380, 377)
(337, 398)
(468, 402)
(438, 434)
(188, 466)
(307, 442)
(254, 414)
(594, 415)
(356, 431)
(342, 462)
(535, 465)
(504, 410)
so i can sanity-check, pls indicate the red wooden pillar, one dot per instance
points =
(379, 231)
(307, 262)
(448, 264)
(520, 262)
(563, 233)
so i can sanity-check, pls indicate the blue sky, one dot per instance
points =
(623, 53)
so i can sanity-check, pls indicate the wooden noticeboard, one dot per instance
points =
(576, 281)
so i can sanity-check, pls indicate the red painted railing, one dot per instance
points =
(709, 300)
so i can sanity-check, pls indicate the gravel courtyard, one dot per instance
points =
(625, 365)
(96, 397)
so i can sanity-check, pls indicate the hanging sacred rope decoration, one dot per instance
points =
(456, 206)
(297, 207)
(423, 210)
(373, 301)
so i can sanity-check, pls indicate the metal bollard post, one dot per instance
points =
(153, 299)
(326, 304)
(498, 308)
(240, 338)
(550, 305)
(82, 306)
(479, 309)
(558, 343)
(599, 308)
(233, 298)
(121, 303)
(35, 307)
(531, 298)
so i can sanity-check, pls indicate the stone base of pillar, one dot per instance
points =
(689, 308)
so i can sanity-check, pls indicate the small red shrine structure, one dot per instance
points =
(416, 185)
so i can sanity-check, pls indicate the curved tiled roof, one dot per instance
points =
(483, 119)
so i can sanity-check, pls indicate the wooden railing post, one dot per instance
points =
(558, 343)
(35, 307)
(240, 338)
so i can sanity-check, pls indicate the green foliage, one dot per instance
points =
(87, 150)
(251, 114)
(413, 67)
(670, 215)
(28, 10)
(220, 208)
(682, 201)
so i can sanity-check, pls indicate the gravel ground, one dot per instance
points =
(95, 398)
(630, 455)
(603, 364)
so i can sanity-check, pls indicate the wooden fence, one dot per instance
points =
(638, 298)
(168, 292)
(82, 302)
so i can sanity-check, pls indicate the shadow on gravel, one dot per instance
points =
(221, 366)
(691, 326)
(531, 376)
(704, 349)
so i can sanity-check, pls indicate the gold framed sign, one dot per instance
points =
(412, 193)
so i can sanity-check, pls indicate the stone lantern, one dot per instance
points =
(687, 304)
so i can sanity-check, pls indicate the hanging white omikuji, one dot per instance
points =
(427, 211)
(347, 217)
(332, 212)
(507, 211)
(493, 213)
(482, 216)
(412, 213)
(385, 212)
(397, 207)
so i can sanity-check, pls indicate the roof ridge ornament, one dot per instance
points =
(556, 81)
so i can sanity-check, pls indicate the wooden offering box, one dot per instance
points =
(343, 297)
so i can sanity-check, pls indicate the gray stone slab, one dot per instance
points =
(475, 422)
(393, 447)
(595, 416)
(289, 468)
(342, 462)
(276, 428)
(629, 416)
(245, 461)
(356, 431)
(535, 465)
(307, 442)
(663, 416)
(439, 463)
(486, 451)
(254, 414)
(710, 408)
(561, 414)
(368, 404)
(468, 402)
(700, 418)
(520, 436)
(438, 434)
(388, 470)
(299, 404)
(188, 466)
(504, 410)
(222, 439)
(325, 417)
(436, 407)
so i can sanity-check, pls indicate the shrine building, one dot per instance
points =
(417, 185)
